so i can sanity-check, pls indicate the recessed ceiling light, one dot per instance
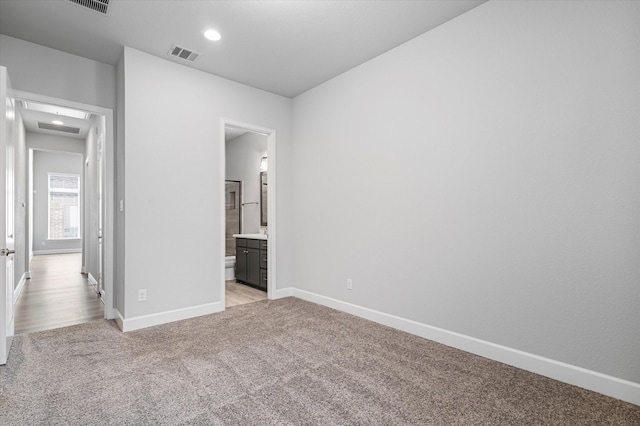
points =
(57, 122)
(212, 35)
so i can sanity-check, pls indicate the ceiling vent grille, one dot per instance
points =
(99, 6)
(66, 129)
(182, 53)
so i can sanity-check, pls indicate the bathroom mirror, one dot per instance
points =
(263, 198)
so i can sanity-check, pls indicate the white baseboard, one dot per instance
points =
(21, 283)
(578, 376)
(28, 275)
(92, 280)
(144, 321)
(283, 292)
(57, 251)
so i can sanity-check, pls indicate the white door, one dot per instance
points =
(100, 205)
(7, 132)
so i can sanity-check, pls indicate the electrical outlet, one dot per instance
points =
(349, 284)
(142, 295)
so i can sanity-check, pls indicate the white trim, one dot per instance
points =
(57, 251)
(112, 312)
(284, 292)
(92, 280)
(222, 177)
(108, 225)
(28, 274)
(271, 201)
(20, 286)
(567, 373)
(144, 321)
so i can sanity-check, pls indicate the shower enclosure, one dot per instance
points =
(233, 209)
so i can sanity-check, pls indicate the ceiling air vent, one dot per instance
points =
(66, 129)
(182, 53)
(99, 6)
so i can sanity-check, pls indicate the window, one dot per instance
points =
(64, 206)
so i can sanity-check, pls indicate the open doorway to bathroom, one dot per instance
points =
(246, 232)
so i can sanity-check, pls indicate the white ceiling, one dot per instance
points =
(284, 47)
(232, 132)
(31, 119)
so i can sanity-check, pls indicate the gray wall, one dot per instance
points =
(45, 162)
(243, 155)
(483, 178)
(174, 155)
(45, 71)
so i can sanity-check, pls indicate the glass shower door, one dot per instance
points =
(233, 191)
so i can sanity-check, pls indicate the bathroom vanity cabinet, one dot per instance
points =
(251, 262)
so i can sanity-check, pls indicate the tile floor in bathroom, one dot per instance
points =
(239, 294)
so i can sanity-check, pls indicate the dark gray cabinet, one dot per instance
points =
(263, 265)
(251, 262)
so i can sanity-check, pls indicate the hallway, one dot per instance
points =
(57, 295)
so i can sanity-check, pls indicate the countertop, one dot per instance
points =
(251, 236)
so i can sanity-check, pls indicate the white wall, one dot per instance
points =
(243, 156)
(173, 201)
(45, 162)
(119, 189)
(483, 178)
(45, 71)
(41, 141)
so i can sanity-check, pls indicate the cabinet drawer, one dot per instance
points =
(241, 242)
(263, 245)
(253, 243)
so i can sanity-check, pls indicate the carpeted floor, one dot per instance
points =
(284, 362)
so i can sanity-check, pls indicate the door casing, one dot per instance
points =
(7, 215)
(271, 202)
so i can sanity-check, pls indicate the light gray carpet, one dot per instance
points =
(284, 362)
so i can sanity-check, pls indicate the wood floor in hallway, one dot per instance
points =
(57, 295)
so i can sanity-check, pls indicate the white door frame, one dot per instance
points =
(109, 187)
(7, 212)
(271, 202)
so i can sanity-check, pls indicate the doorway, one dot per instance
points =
(249, 213)
(89, 264)
(60, 214)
